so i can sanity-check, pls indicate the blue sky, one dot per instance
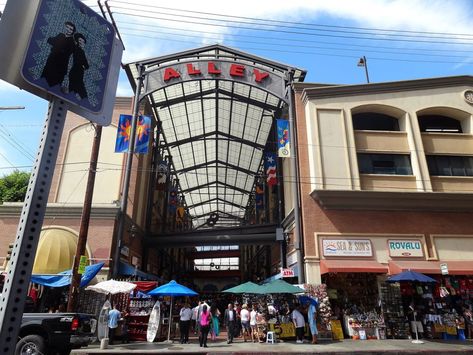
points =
(401, 39)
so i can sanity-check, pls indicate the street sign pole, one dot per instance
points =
(31, 219)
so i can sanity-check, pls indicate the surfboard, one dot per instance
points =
(102, 326)
(153, 323)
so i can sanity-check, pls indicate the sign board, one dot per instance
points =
(444, 269)
(82, 264)
(337, 330)
(347, 247)
(62, 49)
(215, 69)
(287, 273)
(405, 248)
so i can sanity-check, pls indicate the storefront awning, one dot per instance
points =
(457, 267)
(327, 266)
(129, 270)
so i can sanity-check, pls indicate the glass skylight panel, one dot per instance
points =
(258, 94)
(233, 153)
(255, 163)
(158, 96)
(174, 91)
(209, 115)
(191, 87)
(242, 89)
(224, 116)
(264, 131)
(222, 149)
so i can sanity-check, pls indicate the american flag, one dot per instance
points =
(270, 169)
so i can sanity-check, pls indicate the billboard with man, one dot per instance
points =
(69, 53)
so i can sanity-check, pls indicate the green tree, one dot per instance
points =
(13, 186)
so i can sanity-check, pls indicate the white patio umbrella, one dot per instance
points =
(112, 287)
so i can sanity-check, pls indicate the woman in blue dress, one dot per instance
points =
(215, 322)
(312, 315)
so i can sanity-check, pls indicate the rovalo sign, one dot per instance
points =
(405, 248)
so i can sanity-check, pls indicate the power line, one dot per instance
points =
(293, 45)
(310, 53)
(241, 25)
(295, 39)
(294, 23)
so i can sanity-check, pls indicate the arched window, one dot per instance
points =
(439, 123)
(372, 121)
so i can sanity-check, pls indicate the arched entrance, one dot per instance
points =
(210, 182)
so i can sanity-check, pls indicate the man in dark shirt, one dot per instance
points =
(62, 47)
(229, 320)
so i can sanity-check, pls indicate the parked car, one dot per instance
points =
(52, 333)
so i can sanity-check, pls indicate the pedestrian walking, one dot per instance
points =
(245, 321)
(299, 324)
(312, 315)
(205, 319)
(113, 317)
(229, 319)
(185, 315)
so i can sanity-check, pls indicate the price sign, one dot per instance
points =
(82, 264)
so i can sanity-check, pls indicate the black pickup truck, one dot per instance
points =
(55, 333)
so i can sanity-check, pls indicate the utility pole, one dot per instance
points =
(84, 221)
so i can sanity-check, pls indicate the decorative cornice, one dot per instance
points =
(318, 91)
(57, 210)
(394, 201)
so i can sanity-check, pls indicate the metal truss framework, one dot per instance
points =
(215, 129)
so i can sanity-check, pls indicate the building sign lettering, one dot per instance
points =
(235, 70)
(347, 247)
(287, 273)
(215, 69)
(405, 248)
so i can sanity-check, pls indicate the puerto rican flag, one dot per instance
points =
(270, 169)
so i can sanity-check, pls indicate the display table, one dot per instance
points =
(137, 320)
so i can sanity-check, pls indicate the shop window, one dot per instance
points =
(438, 123)
(392, 164)
(371, 121)
(443, 165)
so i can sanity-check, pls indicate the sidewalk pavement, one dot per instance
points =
(239, 347)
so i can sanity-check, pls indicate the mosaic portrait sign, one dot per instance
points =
(69, 53)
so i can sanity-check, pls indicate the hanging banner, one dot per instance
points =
(259, 197)
(162, 175)
(284, 149)
(172, 200)
(143, 129)
(270, 169)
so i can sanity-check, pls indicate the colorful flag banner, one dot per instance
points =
(172, 200)
(270, 168)
(143, 129)
(284, 148)
(259, 197)
(162, 177)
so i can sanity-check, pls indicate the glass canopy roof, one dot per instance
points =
(215, 130)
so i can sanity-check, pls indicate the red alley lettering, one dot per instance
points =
(190, 69)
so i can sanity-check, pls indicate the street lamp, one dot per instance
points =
(364, 63)
(4, 108)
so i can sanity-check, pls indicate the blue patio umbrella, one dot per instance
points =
(308, 300)
(411, 276)
(172, 289)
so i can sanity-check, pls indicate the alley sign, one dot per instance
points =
(212, 70)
